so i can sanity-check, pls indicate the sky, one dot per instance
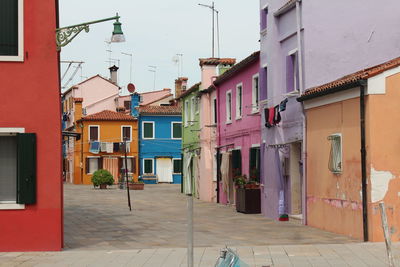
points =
(155, 32)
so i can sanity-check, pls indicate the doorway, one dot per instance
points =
(295, 180)
(164, 170)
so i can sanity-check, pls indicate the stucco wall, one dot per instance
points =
(334, 200)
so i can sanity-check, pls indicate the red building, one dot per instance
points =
(31, 213)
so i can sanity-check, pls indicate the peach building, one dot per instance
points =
(344, 187)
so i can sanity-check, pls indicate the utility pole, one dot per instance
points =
(213, 11)
(126, 174)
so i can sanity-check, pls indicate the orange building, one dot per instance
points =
(358, 112)
(101, 145)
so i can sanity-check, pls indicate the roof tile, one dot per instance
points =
(108, 115)
(160, 110)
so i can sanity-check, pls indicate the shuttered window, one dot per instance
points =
(148, 130)
(18, 169)
(148, 166)
(335, 156)
(11, 30)
(94, 133)
(254, 164)
(126, 133)
(131, 164)
(176, 130)
(177, 165)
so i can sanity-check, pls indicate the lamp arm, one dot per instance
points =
(63, 35)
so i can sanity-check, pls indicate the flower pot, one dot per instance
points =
(252, 186)
(136, 186)
(103, 186)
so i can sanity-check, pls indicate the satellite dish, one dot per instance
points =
(131, 88)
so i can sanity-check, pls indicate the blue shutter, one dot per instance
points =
(26, 168)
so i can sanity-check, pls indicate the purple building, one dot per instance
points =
(305, 44)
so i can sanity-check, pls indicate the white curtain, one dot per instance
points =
(187, 174)
(225, 171)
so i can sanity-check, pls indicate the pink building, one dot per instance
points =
(238, 125)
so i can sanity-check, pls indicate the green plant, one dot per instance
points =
(240, 180)
(102, 177)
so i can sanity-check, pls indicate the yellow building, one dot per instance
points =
(101, 145)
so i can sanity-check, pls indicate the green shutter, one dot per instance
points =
(8, 28)
(177, 166)
(26, 168)
(148, 130)
(148, 166)
(177, 130)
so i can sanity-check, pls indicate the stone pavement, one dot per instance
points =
(354, 254)
(100, 220)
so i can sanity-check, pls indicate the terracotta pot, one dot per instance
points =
(133, 186)
(103, 186)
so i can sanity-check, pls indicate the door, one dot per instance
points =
(111, 164)
(295, 179)
(164, 170)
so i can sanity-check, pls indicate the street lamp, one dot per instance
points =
(65, 35)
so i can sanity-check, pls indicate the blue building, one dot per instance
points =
(160, 138)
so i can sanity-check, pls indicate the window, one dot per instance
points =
(196, 105)
(292, 73)
(131, 164)
(148, 166)
(127, 105)
(186, 112)
(236, 163)
(263, 18)
(93, 164)
(254, 164)
(255, 94)
(239, 101)
(335, 156)
(192, 109)
(229, 106)
(11, 30)
(17, 168)
(126, 133)
(176, 130)
(264, 76)
(94, 133)
(214, 110)
(177, 163)
(148, 130)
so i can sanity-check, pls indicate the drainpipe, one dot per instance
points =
(363, 84)
(304, 129)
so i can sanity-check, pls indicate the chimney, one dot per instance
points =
(210, 68)
(78, 108)
(114, 74)
(180, 86)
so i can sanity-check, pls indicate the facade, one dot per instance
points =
(188, 101)
(160, 135)
(237, 117)
(335, 113)
(31, 203)
(102, 146)
(301, 49)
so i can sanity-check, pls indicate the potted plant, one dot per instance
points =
(248, 198)
(240, 181)
(139, 185)
(102, 178)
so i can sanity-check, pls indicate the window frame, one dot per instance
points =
(186, 113)
(132, 162)
(88, 167)
(122, 133)
(330, 139)
(214, 108)
(295, 69)
(239, 102)
(20, 56)
(173, 166)
(228, 107)
(255, 94)
(192, 109)
(152, 165)
(172, 130)
(154, 135)
(264, 19)
(98, 133)
(11, 205)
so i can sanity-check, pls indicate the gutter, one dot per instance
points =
(329, 91)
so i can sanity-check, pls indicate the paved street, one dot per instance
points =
(100, 219)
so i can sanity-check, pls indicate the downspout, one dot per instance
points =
(363, 84)
(304, 129)
(218, 144)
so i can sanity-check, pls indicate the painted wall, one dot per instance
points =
(38, 227)
(163, 145)
(110, 131)
(245, 132)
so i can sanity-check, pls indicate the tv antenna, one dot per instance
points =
(130, 70)
(178, 60)
(213, 11)
(154, 70)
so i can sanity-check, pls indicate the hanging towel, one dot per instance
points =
(271, 116)
(109, 147)
(277, 115)
(266, 115)
(94, 147)
(122, 147)
(282, 105)
(116, 147)
(128, 147)
(103, 147)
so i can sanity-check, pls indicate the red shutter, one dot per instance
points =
(87, 165)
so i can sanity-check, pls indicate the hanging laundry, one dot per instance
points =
(128, 147)
(103, 147)
(109, 147)
(282, 105)
(116, 147)
(266, 114)
(94, 147)
(271, 116)
(277, 115)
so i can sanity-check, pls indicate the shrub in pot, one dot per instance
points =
(102, 178)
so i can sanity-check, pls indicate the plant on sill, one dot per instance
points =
(102, 178)
(240, 181)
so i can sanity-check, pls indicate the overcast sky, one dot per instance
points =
(155, 32)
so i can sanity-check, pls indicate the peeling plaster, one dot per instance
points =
(379, 184)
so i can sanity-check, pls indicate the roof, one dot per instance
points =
(190, 90)
(347, 81)
(217, 61)
(238, 67)
(95, 76)
(108, 115)
(160, 110)
(151, 97)
(286, 7)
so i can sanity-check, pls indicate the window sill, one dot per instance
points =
(228, 122)
(176, 138)
(12, 206)
(238, 118)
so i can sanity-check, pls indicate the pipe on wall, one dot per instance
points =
(363, 84)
